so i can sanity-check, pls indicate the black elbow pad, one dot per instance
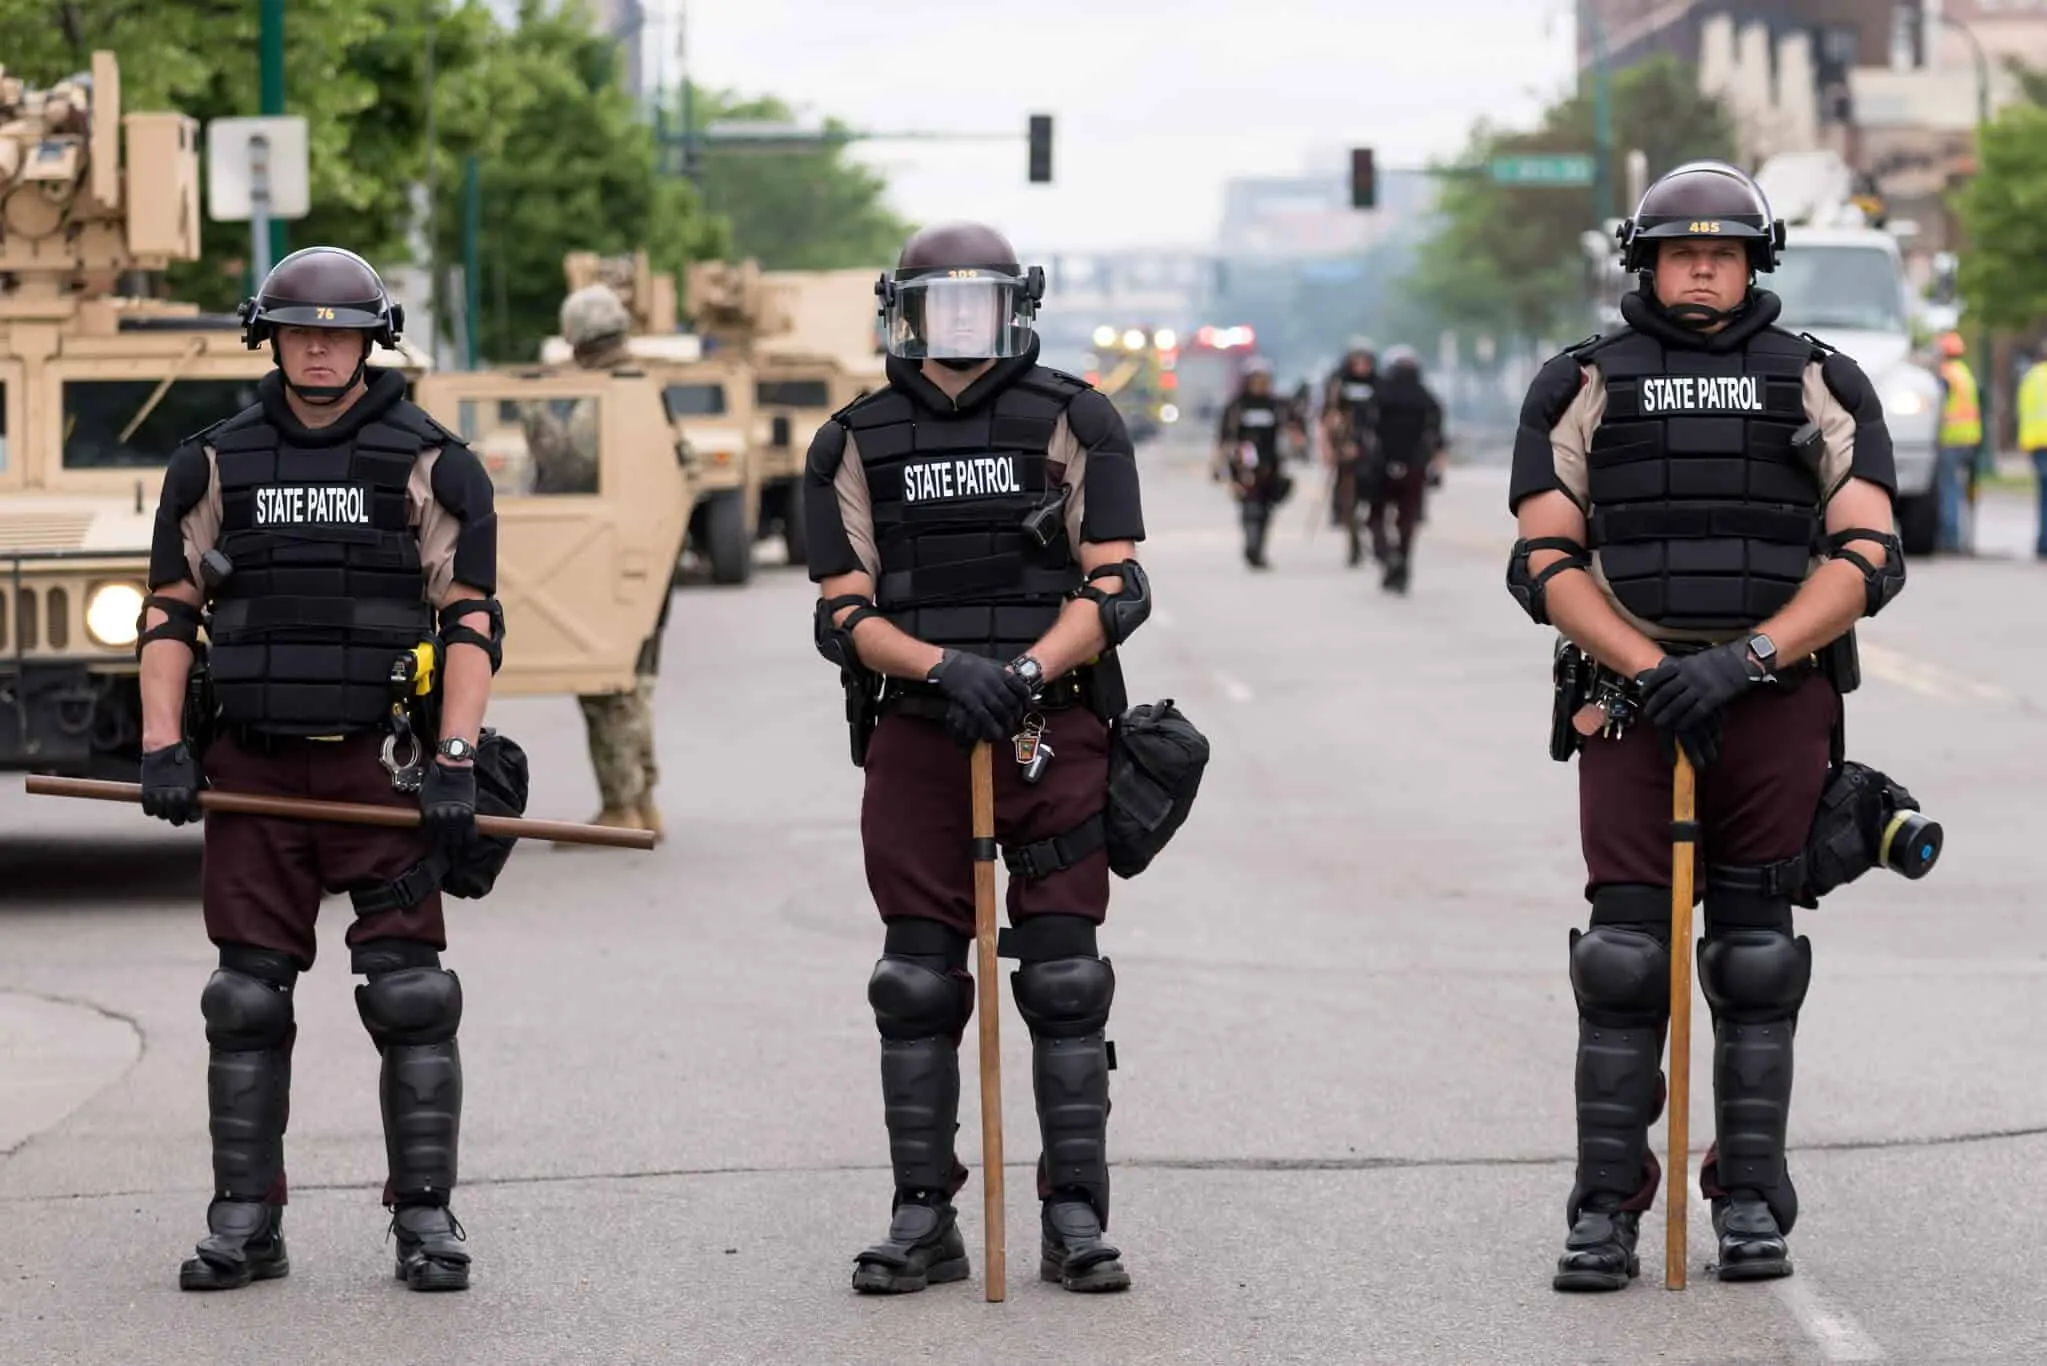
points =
(1530, 589)
(1880, 582)
(454, 631)
(834, 640)
(181, 623)
(1122, 612)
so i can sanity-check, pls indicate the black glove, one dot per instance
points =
(447, 803)
(987, 700)
(171, 783)
(1679, 694)
(1701, 743)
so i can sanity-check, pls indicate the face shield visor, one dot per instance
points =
(971, 314)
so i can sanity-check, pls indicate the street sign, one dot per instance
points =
(233, 147)
(1563, 168)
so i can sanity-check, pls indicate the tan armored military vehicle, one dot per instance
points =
(812, 338)
(707, 397)
(100, 381)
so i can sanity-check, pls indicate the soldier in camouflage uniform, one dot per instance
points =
(565, 450)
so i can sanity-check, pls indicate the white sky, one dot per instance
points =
(1156, 102)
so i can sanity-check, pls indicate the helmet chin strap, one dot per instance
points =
(1697, 317)
(956, 363)
(322, 395)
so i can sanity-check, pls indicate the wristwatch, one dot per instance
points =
(456, 748)
(1029, 670)
(1765, 652)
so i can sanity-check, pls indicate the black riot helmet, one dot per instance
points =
(322, 287)
(1704, 199)
(959, 297)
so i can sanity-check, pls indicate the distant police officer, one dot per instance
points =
(619, 727)
(325, 525)
(1704, 503)
(1350, 419)
(973, 530)
(1409, 428)
(1248, 455)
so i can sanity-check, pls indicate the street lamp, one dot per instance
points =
(1986, 451)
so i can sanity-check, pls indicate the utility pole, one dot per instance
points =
(1602, 113)
(270, 49)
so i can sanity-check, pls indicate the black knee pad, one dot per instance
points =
(1065, 998)
(919, 998)
(1621, 974)
(247, 1001)
(411, 1006)
(1755, 976)
(376, 957)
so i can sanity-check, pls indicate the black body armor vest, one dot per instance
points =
(325, 589)
(1703, 515)
(1258, 423)
(951, 494)
(1356, 401)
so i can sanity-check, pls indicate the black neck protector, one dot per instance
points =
(320, 395)
(386, 389)
(1681, 326)
(909, 376)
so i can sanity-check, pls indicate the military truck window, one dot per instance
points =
(793, 393)
(111, 424)
(694, 400)
(535, 446)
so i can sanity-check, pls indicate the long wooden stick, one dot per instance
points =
(1684, 835)
(994, 1243)
(347, 813)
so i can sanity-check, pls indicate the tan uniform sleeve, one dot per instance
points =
(436, 527)
(201, 526)
(1571, 439)
(1837, 430)
(1065, 449)
(856, 510)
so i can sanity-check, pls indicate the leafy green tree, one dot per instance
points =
(565, 163)
(1509, 259)
(800, 208)
(2003, 273)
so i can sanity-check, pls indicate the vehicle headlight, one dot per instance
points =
(112, 613)
(1906, 402)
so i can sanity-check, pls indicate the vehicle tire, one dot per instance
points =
(1919, 524)
(794, 537)
(726, 543)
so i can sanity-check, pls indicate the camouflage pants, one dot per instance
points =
(620, 727)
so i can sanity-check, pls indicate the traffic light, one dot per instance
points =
(1041, 149)
(1364, 182)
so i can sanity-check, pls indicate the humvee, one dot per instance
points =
(100, 380)
(708, 400)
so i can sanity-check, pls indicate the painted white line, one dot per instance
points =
(1832, 1331)
(1234, 689)
(1895, 667)
(1164, 619)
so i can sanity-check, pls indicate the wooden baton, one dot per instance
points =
(1684, 837)
(347, 813)
(994, 1244)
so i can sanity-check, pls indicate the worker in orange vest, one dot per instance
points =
(1961, 436)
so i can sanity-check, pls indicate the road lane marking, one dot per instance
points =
(1234, 689)
(1837, 1336)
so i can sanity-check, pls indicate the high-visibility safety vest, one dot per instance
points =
(1961, 422)
(2033, 409)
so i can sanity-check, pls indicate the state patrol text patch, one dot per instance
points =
(313, 505)
(973, 476)
(1701, 393)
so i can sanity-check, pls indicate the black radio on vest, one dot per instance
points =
(324, 587)
(1705, 511)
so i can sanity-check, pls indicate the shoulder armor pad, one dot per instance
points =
(1056, 385)
(416, 421)
(1849, 383)
(863, 410)
(1582, 347)
(1820, 348)
(252, 413)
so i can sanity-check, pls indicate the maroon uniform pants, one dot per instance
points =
(1400, 491)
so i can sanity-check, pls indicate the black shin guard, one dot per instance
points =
(1620, 975)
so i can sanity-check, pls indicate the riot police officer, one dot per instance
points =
(326, 532)
(1409, 431)
(1704, 506)
(618, 727)
(1249, 458)
(973, 530)
(1350, 420)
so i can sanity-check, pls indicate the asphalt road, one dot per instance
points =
(1343, 1112)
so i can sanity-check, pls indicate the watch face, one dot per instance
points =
(1763, 647)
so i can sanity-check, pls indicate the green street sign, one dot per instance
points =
(1567, 168)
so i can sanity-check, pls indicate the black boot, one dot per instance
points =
(921, 1003)
(1256, 518)
(1067, 1006)
(422, 1098)
(1620, 976)
(248, 1093)
(1755, 980)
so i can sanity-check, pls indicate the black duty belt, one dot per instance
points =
(271, 742)
(928, 700)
